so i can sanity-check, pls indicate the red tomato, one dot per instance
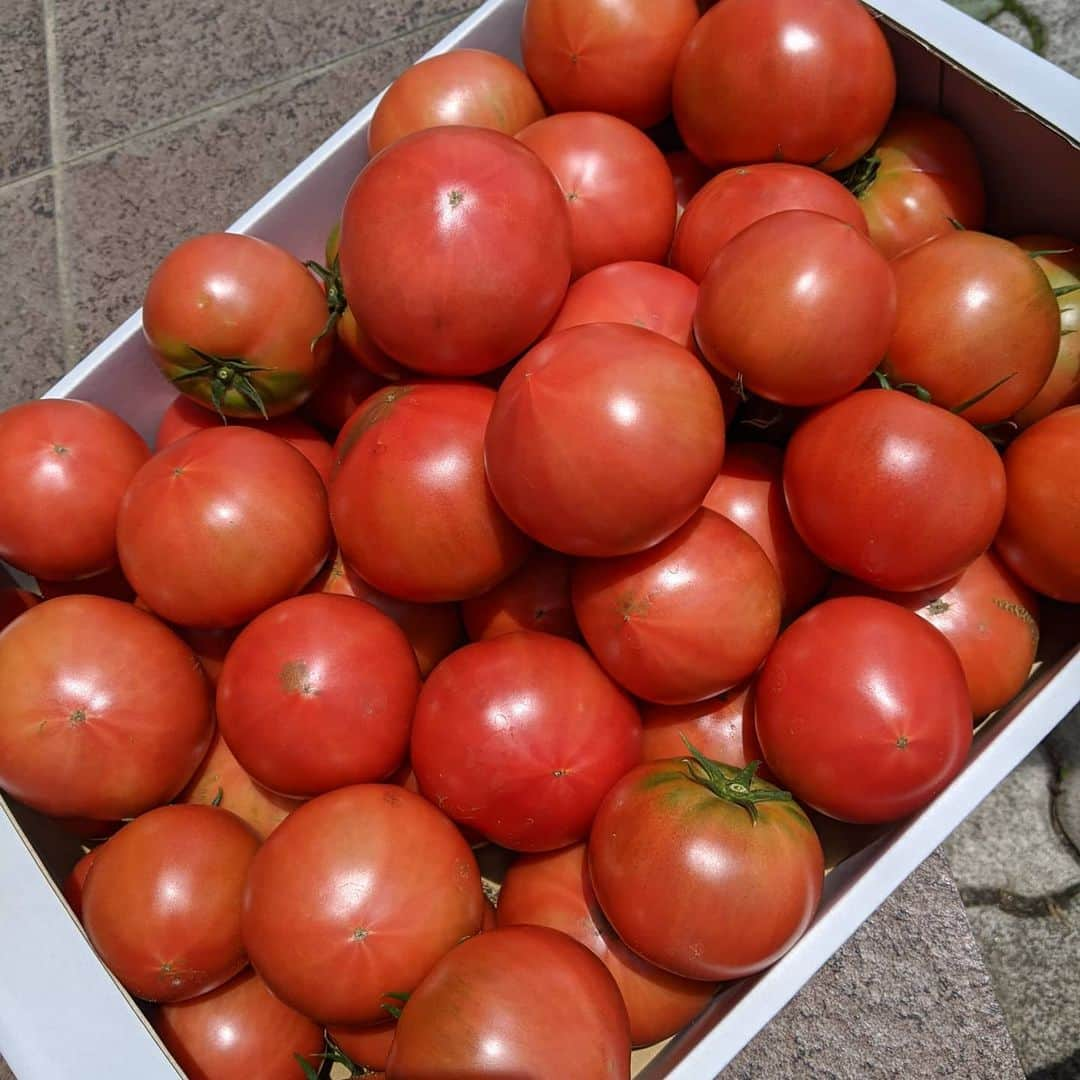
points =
(411, 507)
(553, 890)
(866, 475)
(465, 86)
(63, 462)
(520, 737)
(737, 198)
(610, 56)
(520, 1001)
(111, 584)
(618, 187)
(406, 778)
(317, 693)
(369, 883)
(536, 597)
(863, 711)
(222, 525)
(690, 177)
(237, 324)
(75, 882)
(1040, 536)
(105, 712)
(13, 602)
(238, 1030)
(974, 314)
(480, 295)
(685, 619)
(341, 392)
(702, 870)
(721, 727)
(162, 905)
(368, 1047)
(749, 490)
(638, 293)
(639, 419)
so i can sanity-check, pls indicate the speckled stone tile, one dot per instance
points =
(24, 92)
(180, 56)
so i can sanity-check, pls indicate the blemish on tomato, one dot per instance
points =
(295, 678)
(901, 743)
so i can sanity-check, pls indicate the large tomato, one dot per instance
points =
(354, 897)
(784, 80)
(618, 187)
(867, 474)
(105, 712)
(604, 408)
(798, 308)
(64, 467)
(237, 324)
(721, 727)
(521, 1001)
(520, 738)
(161, 903)
(411, 506)
(705, 870)
(344, 387)
(221, 525)
(481, 293)
(863, 711)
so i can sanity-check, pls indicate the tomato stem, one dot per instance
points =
(335, 295)
(915, 389)
(733, 785)
(965, 405)
(224, 373)
(859, 177)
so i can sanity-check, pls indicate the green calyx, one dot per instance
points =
(907, 387)
(330, 276)
(859, 177)
(732, 786)
(223, 375)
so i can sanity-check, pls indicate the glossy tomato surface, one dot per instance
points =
(721, 727)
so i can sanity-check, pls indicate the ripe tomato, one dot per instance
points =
(222, 525)
(181, 870)
(466, 86)
(826, 71)
(554, 890)
(865, 475)
(520, 737)
(690, 177)
(239, 1029)
(480, 295)
(369, 883)
(237, 324)
(63, 462)
(317, 693)
(411, 507)
(721, 727)
(520, 1001)
(702, 870)
(736, 198)
(685, 619)
(14, 601)
(369, 1046)
(1040, 536)
(639, 418)
(105, 712)
(863, 711)
(75, 882)
(611, 57)
(618, 187)
(344, 387)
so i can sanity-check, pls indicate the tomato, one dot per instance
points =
(162, 903)
(406, 778)
(1040, 536)
(977, 325)
(222, 525)
(702, 870)
(111, 584)
(749, 490)
(484, 291)
(75, 882)
(63, 463)
(317, 693)
(863, 711)
(210, 648)
(520, 1001)
(609, 56)
(355, 896)
(553, 890)
(774, 297)
(240, 1029)
(867, 474)
(618, 187)
(685, 619)
(344, 387)
(411, 507)
(465, 86)
(990, 619)
(721, 727)
(13, 602)
(737, 198)
(639, 419)
(368, 1047)
(520, 737)
(105, 712)
(690, 177)
(1062, 388)
(922, 175)
(638, 293)
(536, 597)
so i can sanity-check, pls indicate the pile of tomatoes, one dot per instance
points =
(731, 444)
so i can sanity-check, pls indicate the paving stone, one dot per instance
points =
(24, 92)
